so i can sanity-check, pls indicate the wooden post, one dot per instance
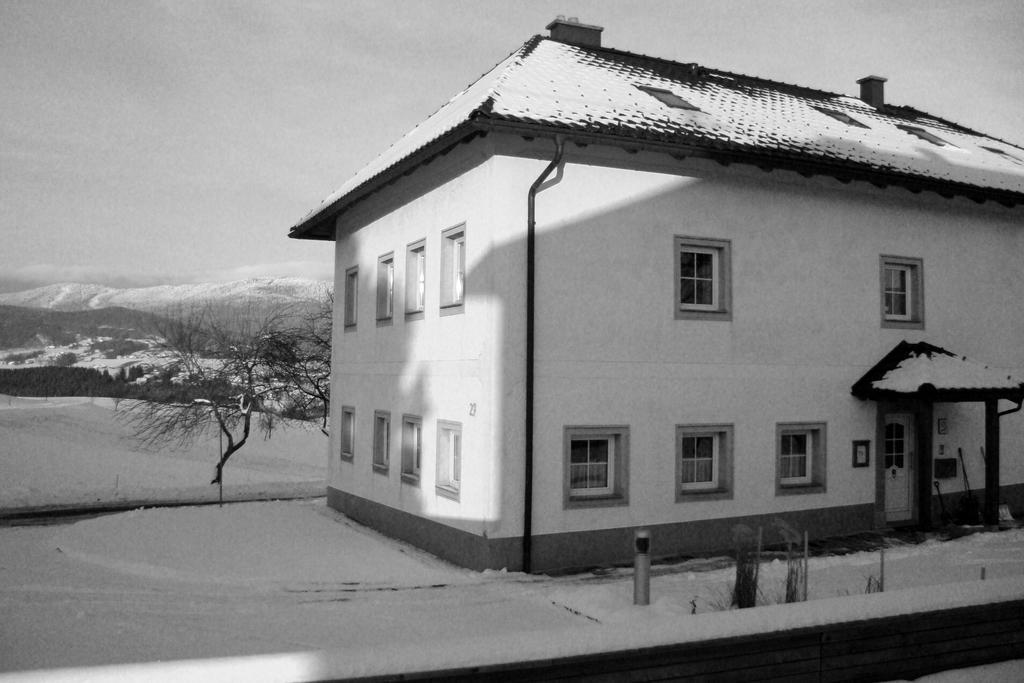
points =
(990, 514)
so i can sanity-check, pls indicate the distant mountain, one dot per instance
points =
(264, 292)
(36, 328)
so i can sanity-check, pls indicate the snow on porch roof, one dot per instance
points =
(599, 94)
(924, 370)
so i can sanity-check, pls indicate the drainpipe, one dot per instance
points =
(531, 249)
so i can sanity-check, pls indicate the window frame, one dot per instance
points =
(914, 267)
(668, 98)
(721, 251)
(617, 493)
(351, 298)
(416, 279)
(814, 481)
(385, 288)
(412, 460)
(453, 270)
(348, 438)
(720, 488)
(448, 474)
(381, 452)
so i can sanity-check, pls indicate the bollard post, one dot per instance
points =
(642, 567)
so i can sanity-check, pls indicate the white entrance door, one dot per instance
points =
(898, 452)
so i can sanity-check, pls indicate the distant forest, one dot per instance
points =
(72, 381)
(33, 327)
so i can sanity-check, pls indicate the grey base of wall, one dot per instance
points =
(584, 549)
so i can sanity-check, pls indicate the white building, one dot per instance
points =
(598, 291)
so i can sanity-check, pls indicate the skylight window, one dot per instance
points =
(841, 116)
(668, 97)
(925, 135)
(1004, 154)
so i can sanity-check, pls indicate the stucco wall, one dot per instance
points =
(805, 325)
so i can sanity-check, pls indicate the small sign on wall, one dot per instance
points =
(942, 425)
(861, 453)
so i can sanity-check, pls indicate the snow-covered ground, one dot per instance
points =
(294, 590)
(313, 595)
(66, 451)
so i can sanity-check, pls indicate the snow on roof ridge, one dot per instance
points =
(942, 369)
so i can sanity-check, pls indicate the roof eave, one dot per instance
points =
(934, 395)
(320, 225)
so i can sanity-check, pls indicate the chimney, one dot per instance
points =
(573, 32)
(872, 90)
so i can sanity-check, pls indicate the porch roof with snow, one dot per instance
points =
(929, 372)
(593, 94)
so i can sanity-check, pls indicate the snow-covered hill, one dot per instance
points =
(79, 297)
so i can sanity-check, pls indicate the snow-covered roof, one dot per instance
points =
(598, 94)
(922, 367)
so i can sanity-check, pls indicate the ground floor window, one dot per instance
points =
(348, 432)
(800, 457)
(596, 460)
(381, 440)
(449, 458)
(703, 461)
(412, 446)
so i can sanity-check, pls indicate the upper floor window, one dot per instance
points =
(902, 283)
(702, 278)
(351, 296)
(386, 287)
(453, 268)
(416, 278)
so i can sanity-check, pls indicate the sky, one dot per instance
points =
(150, 142)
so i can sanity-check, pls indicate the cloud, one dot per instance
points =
(41, 274)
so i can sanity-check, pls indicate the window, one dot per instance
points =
(1004, 154)
(449, 458)
(348, 432)
(596, 461)
(453, 268)
(415, 278)
(351, 296)
(703, 462)
(381, 440)
(412, 446)
(668, 98)
(902, 292)
(385, 287)
(702, 279)
(926, 136)
(800, 458)
(841, 116)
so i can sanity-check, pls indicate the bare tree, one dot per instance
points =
(223, 381)
(300, 358)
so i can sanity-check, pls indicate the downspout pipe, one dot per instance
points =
(531, 269)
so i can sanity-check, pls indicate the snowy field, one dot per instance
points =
(294, 590)
(66, 451)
